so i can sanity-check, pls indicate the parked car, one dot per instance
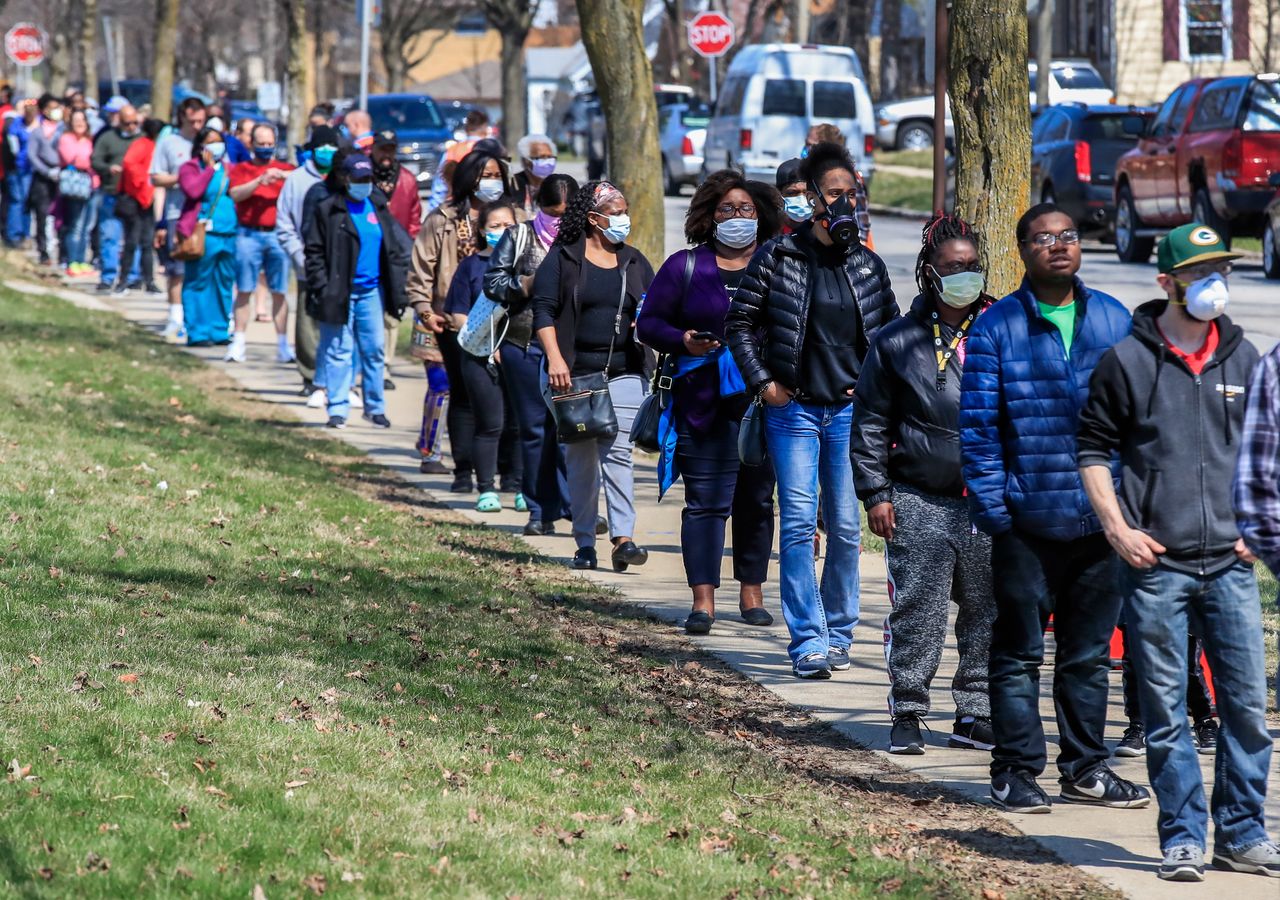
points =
(1271, 232)
(1074, 149)
(682, 131)
(420, 128)
(773, 92)
(1207, 156)
(1072, 80)
(668, 94)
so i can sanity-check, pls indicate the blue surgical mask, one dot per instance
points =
(798, 208)
(737, 232)
(263, 154)
(324, 157)
(489, 189)
(359, 191)
(619, 228)
(492, 237)
(217, 150)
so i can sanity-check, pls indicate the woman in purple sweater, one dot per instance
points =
(683, 315)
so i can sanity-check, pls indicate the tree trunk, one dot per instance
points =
(393, 62)
(987, 74)
(613, 35)
(1044, 51)
(890, 35)
(297, 70)
(515, 92)
(166, 44)
(88, 47)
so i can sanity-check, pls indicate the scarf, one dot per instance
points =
(546, 228)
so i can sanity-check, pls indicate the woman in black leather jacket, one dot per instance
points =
(906, 468)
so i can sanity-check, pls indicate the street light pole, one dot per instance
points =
(940, 41)
(366, 13)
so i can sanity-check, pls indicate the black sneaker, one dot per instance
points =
(1182, 864)
(153, 288)
(336, 422)
(433, 467)
(377, 420)
(539, 529)
(119, 288)
(1102, 787)
(1133, 743)
(973, 733)
(308, 388)
(388, 384)
(905, 737)
(462, 484)
(1205, 733)
(103, 287)
(585, 558)
(1018, 793)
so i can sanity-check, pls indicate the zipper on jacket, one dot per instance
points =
(1204, 515)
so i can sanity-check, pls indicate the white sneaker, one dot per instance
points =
(173, 332)
(235, 353)
(355, 401)
(285, 355)
(317, 400)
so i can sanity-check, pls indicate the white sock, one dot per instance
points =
(282, 341)
(175, 314)
(237, 338)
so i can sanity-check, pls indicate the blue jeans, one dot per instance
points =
(546, 487)
(1223, 610)
(809, 446)
(110, 239)
(357, 343)
(75, 228)
(17, 223)
(260, 251)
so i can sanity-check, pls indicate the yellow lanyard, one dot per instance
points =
(944, 355)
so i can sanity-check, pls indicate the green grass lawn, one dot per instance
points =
(902, 191)
(230, 663)
(916, 159)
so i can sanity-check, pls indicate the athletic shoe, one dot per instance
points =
(285, 355)
(462, 484)
(173, 332)
(336, 422)
(1205, 733)
(1102, 787)
(838, 658)
(1018, 793)
(318, 399)
(103, 288)
(1182, 864)
(235, 353)
(973, 733)
(1133, 743)
(905, 738)
(388, 384)
(377, 420)
(433, 465)
(813, 666)
(119, 288)
(153, 289)
(1260, 859)
(355, 400)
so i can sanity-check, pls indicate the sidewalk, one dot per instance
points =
(1118, 847)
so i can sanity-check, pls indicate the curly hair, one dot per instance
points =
(573, 224)
(822, 159)
(940, 230)
(826, 133)
(700, 220)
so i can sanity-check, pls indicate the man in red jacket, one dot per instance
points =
(401, 190)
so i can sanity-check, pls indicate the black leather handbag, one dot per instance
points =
(585, 411)
(752, 449)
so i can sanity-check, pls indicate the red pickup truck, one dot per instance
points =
(1207, 156)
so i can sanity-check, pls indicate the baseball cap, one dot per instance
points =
(1191, 245)
(788, 173)
(357, 165)
(384, 137)
(323, 136)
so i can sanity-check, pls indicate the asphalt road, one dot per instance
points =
(1254, 299)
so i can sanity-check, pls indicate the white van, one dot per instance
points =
(773, 93)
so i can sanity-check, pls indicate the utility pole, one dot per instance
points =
(802, 22)
(940, 31)
(1044, 51)
(366, 15)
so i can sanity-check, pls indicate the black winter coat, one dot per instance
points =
(905, 430)
(331, 248)
(765, 327)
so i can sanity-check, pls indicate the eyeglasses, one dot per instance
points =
(1204, 270)
(1047, 239)
(728, 211)
(956, 268)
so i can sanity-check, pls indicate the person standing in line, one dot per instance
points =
(46, 167)
(449, 235)
(172, 151)
(1026, 376)
(509, 281)
(800, 326)
(108, 162)
(1204, 727)
(76, 184)
(255, 188)
(586, 295)
(795, 199)
(238, 144)
(475, 128)
(357, 260)
(208, 291)
(17, 174)
(291, 230)
(133, 206)
(906, 469)
(825, 132)
(400, 188)
(537, 162)
(357, 127)
(1170, 400)
(683, 316)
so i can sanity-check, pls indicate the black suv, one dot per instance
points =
(1074, 149)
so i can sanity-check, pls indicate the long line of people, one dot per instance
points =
(1042, 460)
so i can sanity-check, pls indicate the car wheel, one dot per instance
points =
(1202, 211)
(915, 136)
(1129, 247)
(1270, 252)
(669, 184)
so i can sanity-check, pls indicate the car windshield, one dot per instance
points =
(408, 114)
(1078, 78)
(1264, 107)
(1107, 127)
(696, 115)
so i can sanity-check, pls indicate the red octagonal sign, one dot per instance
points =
(710, 34)
(24, 43)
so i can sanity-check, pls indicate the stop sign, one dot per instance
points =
(710, 34)
(24, 44)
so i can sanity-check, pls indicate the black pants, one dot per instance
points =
(484, 388)
(716, 486)
(1199, 703)
(460, 419)
(1075, 581)
(542, 458)
(41, 197)
(139, 227)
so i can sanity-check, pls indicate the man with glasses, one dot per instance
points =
(1026, 377)
(108, 161)
(1170, 400)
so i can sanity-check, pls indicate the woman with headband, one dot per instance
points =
(585, 298)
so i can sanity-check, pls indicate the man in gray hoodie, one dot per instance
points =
(1170, 400)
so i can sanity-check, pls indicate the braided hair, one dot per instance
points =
(942, 228)
(573, 224)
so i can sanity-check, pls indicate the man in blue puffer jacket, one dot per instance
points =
(1026, 377)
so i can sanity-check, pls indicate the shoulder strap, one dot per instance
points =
(688, 271)
(617, 317)
(522, 241)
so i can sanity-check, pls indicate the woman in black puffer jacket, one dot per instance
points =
(799, 328)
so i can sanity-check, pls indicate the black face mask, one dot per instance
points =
(840, 221)
(384, 171)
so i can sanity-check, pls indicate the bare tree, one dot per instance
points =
(88, 47)
(987, 77)
(613, 34)
(890, 35)
(512, 19)
(166, 44)
(402, 23)
(299, 73)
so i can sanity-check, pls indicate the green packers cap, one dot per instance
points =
(1191, 245)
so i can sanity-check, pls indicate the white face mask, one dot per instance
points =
(489, 189)
(1206, 299)
(961, 289)
(55, 114)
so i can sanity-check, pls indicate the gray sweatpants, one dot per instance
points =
(934, 559)
(608, 460)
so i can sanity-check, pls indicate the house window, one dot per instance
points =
(1206, 29)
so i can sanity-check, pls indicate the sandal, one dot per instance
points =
(489, 502)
